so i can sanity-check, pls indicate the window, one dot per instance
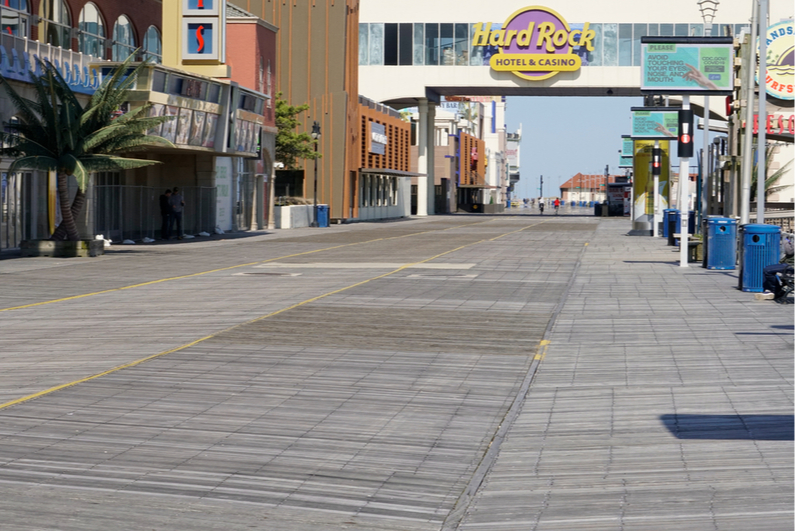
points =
(625, 45)
(15, 18)
(390, 44)
(153, 50)
(431, 44)
(57, 23)
(405, 44)
(123, 39)
(364, 34)
(462, 44)
(92, 32)
(376, 44)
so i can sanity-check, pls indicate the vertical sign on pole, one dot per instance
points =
(685, 152)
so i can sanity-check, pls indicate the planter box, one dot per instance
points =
(293, 217)
(58, 249)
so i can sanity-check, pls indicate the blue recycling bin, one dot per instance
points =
(322, 215)
(721, 250)
(760, 248)
(666, 216)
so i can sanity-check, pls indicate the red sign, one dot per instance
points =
(777, 124)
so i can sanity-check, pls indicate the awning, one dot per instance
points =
(394, 173)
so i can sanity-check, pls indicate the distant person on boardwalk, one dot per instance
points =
(541, 206)
(177, 205)
(165, 213)
(557, 205)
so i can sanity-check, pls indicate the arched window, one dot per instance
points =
(153, 50)
(123, 39)
(15, 17)
(92, 31)
(57, 23)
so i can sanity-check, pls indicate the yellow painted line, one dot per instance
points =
(586, 244)
(152, 282)
(542, 350)
(272, 314)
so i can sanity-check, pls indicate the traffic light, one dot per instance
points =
(656, 161)
(685, 134)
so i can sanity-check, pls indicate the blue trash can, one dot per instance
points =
(760, 248)
(322, 215)
(721, 250)
(666, 217)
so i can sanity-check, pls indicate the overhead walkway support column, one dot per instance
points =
(431, 151)
(422, 160)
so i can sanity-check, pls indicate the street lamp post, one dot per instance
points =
(708, 9)
(316, 138)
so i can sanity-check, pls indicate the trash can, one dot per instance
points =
(671, 223)
(322, 215)
(597, 209)
(721, 249)
(760, 248)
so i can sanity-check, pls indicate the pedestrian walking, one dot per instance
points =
(541, 206)
(557, 205)
(177, 205)
(165, 214)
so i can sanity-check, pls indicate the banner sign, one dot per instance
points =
(687, 65)
(625, 162)
(780, 64)
(652, 123)
(535, 43)
(627, 146)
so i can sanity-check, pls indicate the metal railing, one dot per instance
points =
(133, 212)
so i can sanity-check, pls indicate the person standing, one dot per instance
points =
(177, 205)
(557, 205)
(165, 214)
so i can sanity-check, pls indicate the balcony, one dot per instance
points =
(18, 57)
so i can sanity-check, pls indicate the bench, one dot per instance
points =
(695, 248)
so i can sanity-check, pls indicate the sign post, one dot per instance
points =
(686, 66)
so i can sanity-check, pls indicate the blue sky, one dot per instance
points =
(563, 136)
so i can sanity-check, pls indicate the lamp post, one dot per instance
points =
(708, 9)
(316, 138)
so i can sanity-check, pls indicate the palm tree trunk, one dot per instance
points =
(67, 220)
(77, 206)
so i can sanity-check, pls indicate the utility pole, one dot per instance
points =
(607, 178)
(541, 188)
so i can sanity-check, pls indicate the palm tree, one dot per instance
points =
(56, 133)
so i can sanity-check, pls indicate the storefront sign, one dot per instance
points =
(655, 122)
(687, 65)
(203, 30)
(535, 43)
(781, 60)
(777, 124)
(378, 138)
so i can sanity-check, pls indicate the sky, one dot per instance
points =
(563, 136)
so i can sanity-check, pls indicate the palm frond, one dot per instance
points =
(34, 163)
(94, 163)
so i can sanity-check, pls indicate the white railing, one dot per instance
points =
(18, 57)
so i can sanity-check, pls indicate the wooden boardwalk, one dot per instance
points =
(311, 379)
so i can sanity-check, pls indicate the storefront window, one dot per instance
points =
(152, 45)
(123, 39)
(92, 31)
(15, 18)
(57, 23)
